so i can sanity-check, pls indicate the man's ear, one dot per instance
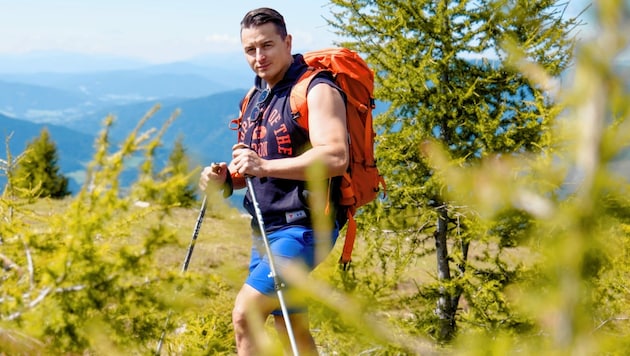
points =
(288, 40)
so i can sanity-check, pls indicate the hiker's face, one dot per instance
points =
(267, 53)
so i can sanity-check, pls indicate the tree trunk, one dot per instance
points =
(445, 309)
(462, 269)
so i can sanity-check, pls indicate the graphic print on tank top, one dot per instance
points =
(266, 132)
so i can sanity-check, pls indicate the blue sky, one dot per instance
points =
(152, 30)
(155, 31)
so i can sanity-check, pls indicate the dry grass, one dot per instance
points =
(220, 260)
(224, 235)
(224, 238)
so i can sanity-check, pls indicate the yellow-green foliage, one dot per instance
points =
(37, 172)
(442, 68)
(93, 273)
(172, 185)
(96, 274)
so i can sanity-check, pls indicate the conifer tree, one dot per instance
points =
(441, 66)
(38, 170)
(177, 169)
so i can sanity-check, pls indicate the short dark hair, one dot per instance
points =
(263, 15)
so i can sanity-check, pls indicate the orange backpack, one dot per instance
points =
(360, 184)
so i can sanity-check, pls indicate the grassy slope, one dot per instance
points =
(220, 262)
(220, 259)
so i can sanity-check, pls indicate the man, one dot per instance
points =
(276, 152)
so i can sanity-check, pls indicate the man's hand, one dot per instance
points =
(246, 161)
(213, 176)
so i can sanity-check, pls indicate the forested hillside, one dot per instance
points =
(202, 123)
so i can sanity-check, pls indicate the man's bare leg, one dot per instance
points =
(301, 331)
(250, 312)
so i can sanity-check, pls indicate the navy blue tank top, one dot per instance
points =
(268, 127)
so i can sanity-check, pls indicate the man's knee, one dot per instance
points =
(250, 307)
(239, 319)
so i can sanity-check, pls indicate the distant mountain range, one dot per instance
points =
(133, 84)
(74, 62)
(74, 149)
(62, 97)
(202, 124)
(71, 95)
(21, 98)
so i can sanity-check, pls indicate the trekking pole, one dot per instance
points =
(191, 247)
(278, 284)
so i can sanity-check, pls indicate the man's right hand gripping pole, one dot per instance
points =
(216, 176)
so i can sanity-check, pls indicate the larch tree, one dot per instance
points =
(443, 69)
(178, 172)
(38, 172)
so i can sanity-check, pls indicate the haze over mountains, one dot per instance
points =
(72, 94)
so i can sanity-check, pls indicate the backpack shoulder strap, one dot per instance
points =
(236, 123)
(297, 99)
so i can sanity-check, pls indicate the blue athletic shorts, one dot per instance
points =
(292, 243)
